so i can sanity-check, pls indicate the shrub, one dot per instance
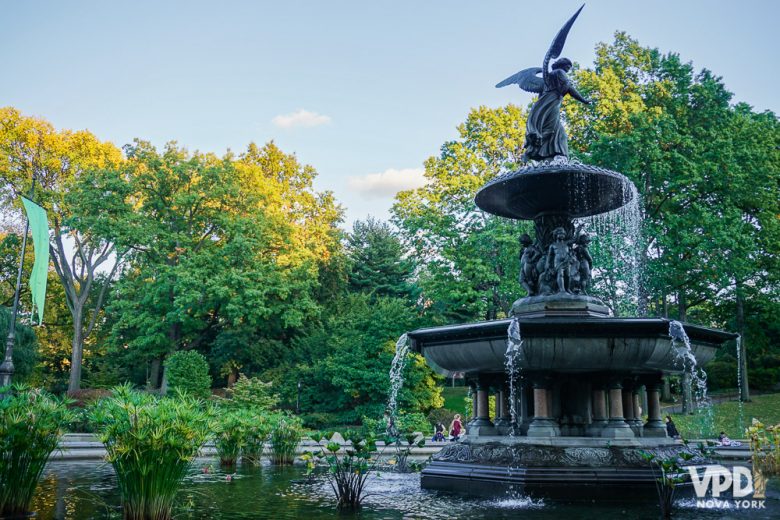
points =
(150, 442)
(189, 371)
(763, 378)
(31, 423)
(319, 420)
(285, 436)
(251, 393)
(404, 422)
(442, 415)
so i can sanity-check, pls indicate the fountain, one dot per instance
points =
(568, 418)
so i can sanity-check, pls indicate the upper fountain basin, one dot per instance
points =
(555, 187)
(570, 345)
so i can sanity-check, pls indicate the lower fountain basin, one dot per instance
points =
(572, 345)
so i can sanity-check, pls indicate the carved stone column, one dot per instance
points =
(635, 401)
(503, 415)
(617, 426)
(482, 424)
(654, 427)
(542, 425)
(473, 390)
(600, 420)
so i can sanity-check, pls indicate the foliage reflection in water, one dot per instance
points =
(87, 490)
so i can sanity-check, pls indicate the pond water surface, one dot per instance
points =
(87, 490)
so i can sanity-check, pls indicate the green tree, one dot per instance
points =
(377, 262)
(469, 259)
(31, 147)
(344, 361)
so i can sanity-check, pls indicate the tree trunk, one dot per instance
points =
(744, 389)
(682, 310)
(77, 353)
(154, 373)
(666, 390)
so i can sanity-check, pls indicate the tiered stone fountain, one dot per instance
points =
(586, 379)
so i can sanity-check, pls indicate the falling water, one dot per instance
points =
(681, 346)
(397, 378)
(514, 356)
(619, 234)
(740, 405)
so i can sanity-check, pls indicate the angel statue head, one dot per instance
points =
(545, 137)
(563, 63)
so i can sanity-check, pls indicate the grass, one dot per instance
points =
(455, 398)
(726, 417)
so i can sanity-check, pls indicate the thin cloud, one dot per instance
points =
(388, 183)
(300, 118)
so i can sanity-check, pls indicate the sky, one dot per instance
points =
(364, 91)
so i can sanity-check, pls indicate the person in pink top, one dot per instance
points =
(456, 427)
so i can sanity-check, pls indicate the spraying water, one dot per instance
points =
(681, 346)
(396, 380)
(513, 358)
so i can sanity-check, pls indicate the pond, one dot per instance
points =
(87, 490)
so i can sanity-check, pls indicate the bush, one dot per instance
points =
(319, 421)
(31, 423)
(251, 393)
(285, 436)
(189, 371)
(763, 378)
(442, 415)
(150, 442)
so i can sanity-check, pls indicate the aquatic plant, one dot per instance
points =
(285, 436)
(671, 474)
(256, 434)
(230, 435)
(348, 468)
(150, 442)
(31, 423)
(404, 444)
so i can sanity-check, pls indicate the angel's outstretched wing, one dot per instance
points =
(556, 47)
(526, 79)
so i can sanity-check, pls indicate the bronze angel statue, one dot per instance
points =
(545, 137)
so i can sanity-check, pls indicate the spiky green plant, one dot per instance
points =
(150, 442)
(31, 423)
(285, 436)
(230, 435)
(258, 430)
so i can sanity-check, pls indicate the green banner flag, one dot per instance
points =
(39, 227)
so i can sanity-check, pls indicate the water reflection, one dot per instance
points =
(87, 490)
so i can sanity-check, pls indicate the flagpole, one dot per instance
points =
(7, 368)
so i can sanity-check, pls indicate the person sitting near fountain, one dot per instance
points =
(724, 440)
(438, 433)
(455, 428)
(671, 429)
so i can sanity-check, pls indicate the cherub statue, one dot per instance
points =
(583, 262)
(559, 257)
(545, 137)
(529, 256)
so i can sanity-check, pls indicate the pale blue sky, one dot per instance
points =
(392, 79)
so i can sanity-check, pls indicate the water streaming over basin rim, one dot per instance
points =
(87, 490)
